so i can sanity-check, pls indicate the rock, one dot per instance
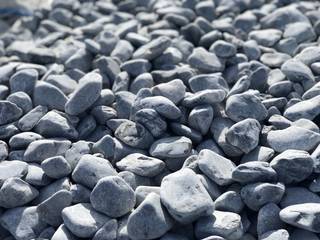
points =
(141, 164)
(256, 195)
(9, 112)
(152, 49)
(113, 197)
(298, 195)
(268, 219)
(171, 147)
(12, 168)
(56, 167)
(220, 170)
(24, 81)
(266, 37)
(300, 233)
(108, 231)
(29, 120)
(3, 150)
(255, 171)
(244, 135)
(292, 138)
(80, 194)
(245, 105)
(23, 222)
(22, 140)
(292, 166)
(15, 192)
(200, 118)
(303, 216)
(297, 71)
(225, 224)
(63, 233)
(280, 234)
(184, 196)
(207, 81)
(82, 220)
(205, 61)
(86, 93)
(36, 176)
(173, 90)
(229, 201)
(22, 100)
(308, 109)
(149, 220)
(90, 169)
(223, 49)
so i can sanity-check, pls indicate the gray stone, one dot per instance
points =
(305, 216)
(23, 222)
(205, 61)
(141, 165)
(80, 194)
(65, 83)
(260, 153)
(244, 134)
(134, 135)
(218, 170)
(225, 224)
(76, 151)
(266, 37)
(152, 49)
(173, 90)
(292, 166)
(22, 100)
(207, 81)
(86, 93)
(136, 67)
(15, 192)
(280, 234)
(63, 233)
(245, 105)
(24, 81)
(3, 150)
(200, 118)
(108, 231)
(298, 195)
(300, 31)
(184, 196)
(113, 197)
(9, 112)
(149, 220)
(254, 171)
(22, 140)
(141, 192)
(309, 55)
(256, 195)
(223, 49)
(12, 168)
(50, 209)
(297, 71)
(268, 219)
(308, 109)
(171, 147)
(90, 169)
(297, 234)
(209, 96)
(229, 201)
(82, 220)
(41, 149)
(56, 167)
(292, 138)
(36, 176)
(29, 120)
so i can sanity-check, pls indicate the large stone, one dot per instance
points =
(9, 112)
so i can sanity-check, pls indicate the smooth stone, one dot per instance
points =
(62, 233)
(220, 170)
(171, 147)
(103, 113)
(86, 93)
(210, 96)
(183, 130)
(22, 100)
(254, 171)
(113, 197)
(53, 124)
(256, 195)
(298, 195)
(29, 120)
(274, 60)
(300, 31)
(24, 81)
(15, 192)
(65, 83)
(90, 169)
(13, 168)
(173, 90)
(305, 216)
(141, 192)
(308, 109)
(36, 176)
(245, 105)
(108, 231)
(184, 196)
(3, 150)
(149, 220)
(292, 166)
(229, 201)
(105, 146)
(23, 222)
(225, 224)
(280, 234)
(136, 67)
(205, 61)
(297, 71)
(292, 138)
(22, 140)
(134, 135)
(297, 234)
(207, 81)
(80, 194)
(9, 112)
(212, 188)
(46, 94)
(82, 220)
(244, 134)
(309, 55)
(200, 118)
(50, 209)
(76, 151)
(141, 165)
(56, 167)
(268, 219)
(42, 149)
(260, 153)
(152, 49)
(144, 80)
(223, 49)
(266, 37)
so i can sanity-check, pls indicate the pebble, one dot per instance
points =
(56, 167)
(184, 196)
(112, 196)
(204, 61)
(9, 112)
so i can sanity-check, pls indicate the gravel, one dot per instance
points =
(161, 119)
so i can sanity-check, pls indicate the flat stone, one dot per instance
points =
(297, 71)
(209, 96)
(308, 109)
(108, 231)
(63, 233)
(86, 93)
(305, 216)
(292, 138)
(113, 197)
(22, 140)
(298, 195)
(29, 120)
(292, 166)
(82, 220)
(149, 220)
(208, 81)
(185, 197)
(12, 168)
(56, 167)
(171, 147)
(141, 164)
(266, 37)
(173, 90)
(225, 224)
(90, 169)
(205, 61)
(220, 170)
(229, 201)
(9, 112)
(152, 49)
(268, 219)
(200, 118)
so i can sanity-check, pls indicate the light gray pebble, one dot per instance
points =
(56, 167)
(281, 234)
(22, 100)
(80, 194)
(229, 201)
(29, 120)
(108, 231)
(13, 168)
(205, 61)
(22, 140)
(113, 197)
(268, 219)
(9, 112)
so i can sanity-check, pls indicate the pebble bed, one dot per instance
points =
(161, 119)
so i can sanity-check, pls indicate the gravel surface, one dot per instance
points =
(161, 119)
